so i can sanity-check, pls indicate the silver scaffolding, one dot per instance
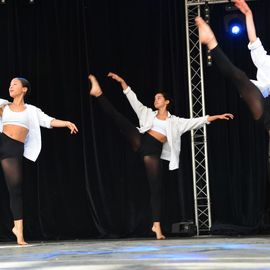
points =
(202, 200)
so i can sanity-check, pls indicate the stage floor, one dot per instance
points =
(138, 254)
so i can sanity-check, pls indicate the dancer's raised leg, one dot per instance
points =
(129, 131)
(248, 91)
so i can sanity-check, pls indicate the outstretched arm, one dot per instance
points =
(258, 54)
(136, 105)
(61, 124)
(197, 122)
(118, 79)
(225, 116)
(244, 8)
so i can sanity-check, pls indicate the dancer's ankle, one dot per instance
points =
(212, 44)
(157, 230)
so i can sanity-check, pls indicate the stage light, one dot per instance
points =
(3, 2)
(31, 1)
(236, 29)
(234, 24)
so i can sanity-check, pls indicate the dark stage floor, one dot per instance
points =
(183, 253)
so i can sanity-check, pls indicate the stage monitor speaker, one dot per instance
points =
(185, 228)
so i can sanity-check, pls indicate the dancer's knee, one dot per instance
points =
(240, 75)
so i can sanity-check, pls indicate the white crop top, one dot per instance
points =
(10, 117)
(160, 126)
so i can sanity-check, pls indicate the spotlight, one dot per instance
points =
(31, 1)
(3, 2)
(234, 24)
(236, 29)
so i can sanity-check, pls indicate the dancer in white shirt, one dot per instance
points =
(259, 56)
(254, 93)
(20, 136)
(158, 137)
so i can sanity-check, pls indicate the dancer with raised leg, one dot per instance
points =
(20, 136)
(258, 54)
(158, 137)
(248, 90)
(255, 96)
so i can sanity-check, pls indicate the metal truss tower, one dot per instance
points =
(202, 201)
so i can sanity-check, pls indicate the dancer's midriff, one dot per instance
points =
(15, 132)
(160, 137)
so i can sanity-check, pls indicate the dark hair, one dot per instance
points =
(25, 83)
(167, 97)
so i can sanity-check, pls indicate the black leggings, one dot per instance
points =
(11, 153)
(259, 106)
(247, 90)
(147, 146)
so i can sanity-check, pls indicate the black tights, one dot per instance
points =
(152, 163)
(258, 105)
(12, 168)
(154, 175)
(248, 91)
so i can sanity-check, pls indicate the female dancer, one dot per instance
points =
(20, 126)
(159, 136)
(251, 94)
(259, 56)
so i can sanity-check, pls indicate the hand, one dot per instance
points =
(72, 127)
(226, 116)
(118, 79)
(115, 77)
(243, 7)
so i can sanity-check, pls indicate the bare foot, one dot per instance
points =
(206, 34)
(19, 236)
(158, 232)
(95, 89)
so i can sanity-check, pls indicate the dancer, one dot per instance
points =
(157, 138)
(20, 136)
(252, 94)
(258, 54)
(248, 90)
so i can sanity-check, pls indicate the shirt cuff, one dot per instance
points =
(49, 120)
(126, 90)
(256, 44)
(206, 121)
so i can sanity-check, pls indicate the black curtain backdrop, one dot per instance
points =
(92, 185)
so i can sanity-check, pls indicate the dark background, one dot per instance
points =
(92, 184)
